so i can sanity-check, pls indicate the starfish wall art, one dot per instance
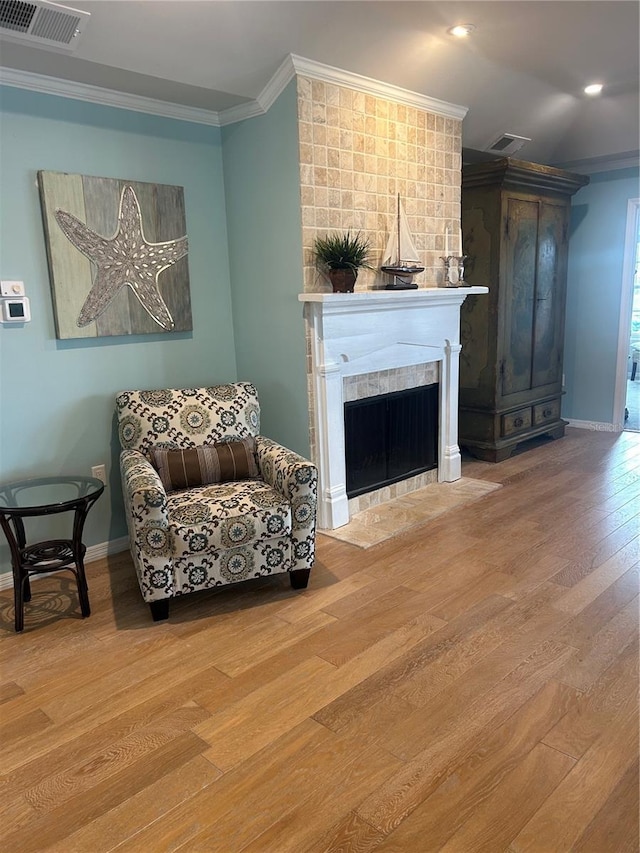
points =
(117, 255)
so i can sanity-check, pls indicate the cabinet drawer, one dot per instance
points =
(516, 421)
(544, 412)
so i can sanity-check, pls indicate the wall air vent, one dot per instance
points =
(42, 24)
(507, 144)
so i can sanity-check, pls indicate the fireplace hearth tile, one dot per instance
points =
(379, 523)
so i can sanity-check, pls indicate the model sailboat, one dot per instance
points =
(401, 256)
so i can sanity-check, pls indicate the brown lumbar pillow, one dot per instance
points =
(209, 463)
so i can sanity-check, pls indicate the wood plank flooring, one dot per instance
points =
(469, 685)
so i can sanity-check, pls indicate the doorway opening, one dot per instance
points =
(628, 374)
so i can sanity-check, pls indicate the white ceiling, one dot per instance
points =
(522, 70)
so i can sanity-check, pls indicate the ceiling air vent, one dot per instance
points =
(42, 24)
(507, 143)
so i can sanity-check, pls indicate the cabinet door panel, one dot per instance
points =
(521, 249)
(549, 297)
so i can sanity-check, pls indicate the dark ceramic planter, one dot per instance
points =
(343, 281)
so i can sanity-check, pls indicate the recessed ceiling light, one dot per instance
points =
(593, 89)
(461, 30)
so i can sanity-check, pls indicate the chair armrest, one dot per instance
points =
(297, 479)
(150, 540)
(286, 471)
(143, 492)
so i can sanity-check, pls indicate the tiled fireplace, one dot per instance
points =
(378, 335)
(361, 144)
(381, 382)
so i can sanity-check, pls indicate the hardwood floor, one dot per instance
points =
(470, 685)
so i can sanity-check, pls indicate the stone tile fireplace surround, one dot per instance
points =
(366, 333)
(361, 143)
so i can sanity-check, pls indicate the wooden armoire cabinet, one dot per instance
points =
(515, 222)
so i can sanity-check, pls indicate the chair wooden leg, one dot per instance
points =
(299, 578)
(159, 609)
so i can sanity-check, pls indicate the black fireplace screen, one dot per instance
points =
(390, 437)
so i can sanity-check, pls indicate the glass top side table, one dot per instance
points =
(46, 496)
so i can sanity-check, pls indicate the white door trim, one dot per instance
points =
(626, 304)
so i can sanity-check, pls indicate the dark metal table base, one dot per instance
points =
(52, 556)
(48, 556)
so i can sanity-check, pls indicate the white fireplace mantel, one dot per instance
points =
(373, 330)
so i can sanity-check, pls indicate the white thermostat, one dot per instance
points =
(14, 305)
(15, 310)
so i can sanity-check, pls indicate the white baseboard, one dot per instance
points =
(94, 552)
(113, 546)
(595, 426)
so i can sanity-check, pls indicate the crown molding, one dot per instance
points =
(232, 115)
(293, 65)
(329, 74)
(278, 83)
(297, 65)
(265, 100)
(605, 163)
(105, 97)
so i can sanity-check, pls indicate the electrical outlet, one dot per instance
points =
(100, 473)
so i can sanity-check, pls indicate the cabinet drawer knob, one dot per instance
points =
(547, 413)
(518, 422)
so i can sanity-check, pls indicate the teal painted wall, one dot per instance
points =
(262, 188)
(594, 290)
(57, 397)
(243, 220)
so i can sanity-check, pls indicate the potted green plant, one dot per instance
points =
(340, 257)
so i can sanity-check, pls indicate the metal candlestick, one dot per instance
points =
(454, 271)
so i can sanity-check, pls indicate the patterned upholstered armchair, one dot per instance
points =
(208, 500)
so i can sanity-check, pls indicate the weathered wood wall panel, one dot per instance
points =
(71, 267)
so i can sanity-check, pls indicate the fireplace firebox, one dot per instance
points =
(390, 437)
